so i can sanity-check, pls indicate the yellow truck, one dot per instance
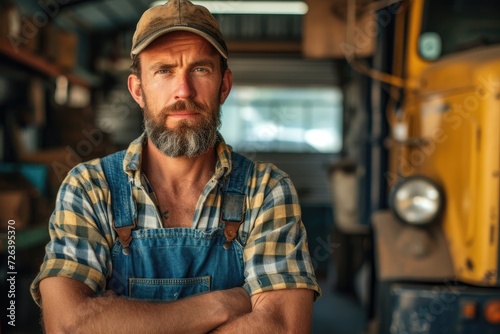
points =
(436, 242)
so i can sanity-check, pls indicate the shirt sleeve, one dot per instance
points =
(79, 247)
(276, 254)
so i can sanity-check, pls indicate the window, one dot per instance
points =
(283, 119)
(450, 26)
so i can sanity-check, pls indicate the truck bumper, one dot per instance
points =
(433, 309)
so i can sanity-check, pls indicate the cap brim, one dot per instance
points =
(148, 40)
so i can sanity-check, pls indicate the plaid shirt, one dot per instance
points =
(276, 254)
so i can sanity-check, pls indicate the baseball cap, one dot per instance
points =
(177, 15)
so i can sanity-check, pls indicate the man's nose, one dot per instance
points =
(185, 87)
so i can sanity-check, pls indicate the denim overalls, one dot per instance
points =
(167, 264)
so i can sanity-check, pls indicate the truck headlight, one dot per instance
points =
(417, 201)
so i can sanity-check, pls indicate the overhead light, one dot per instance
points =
(251, 7)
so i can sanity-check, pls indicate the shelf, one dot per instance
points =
(39, 64)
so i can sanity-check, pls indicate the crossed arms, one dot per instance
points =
(70, 306)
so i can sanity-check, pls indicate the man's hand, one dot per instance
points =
(236, 300)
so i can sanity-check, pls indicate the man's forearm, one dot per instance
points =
(71, 307)
(256, 322)
(198, 314)
(282, 311)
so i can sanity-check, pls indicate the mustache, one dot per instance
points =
(184, 105)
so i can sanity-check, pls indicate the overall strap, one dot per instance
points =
(233, 196)
(122, 203)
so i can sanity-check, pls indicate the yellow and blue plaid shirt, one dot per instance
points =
(276, 254)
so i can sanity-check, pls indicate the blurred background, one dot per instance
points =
(320, 88)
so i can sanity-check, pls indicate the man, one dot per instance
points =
(178, 234)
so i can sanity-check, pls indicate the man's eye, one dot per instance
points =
(201, 69)
(164, 71)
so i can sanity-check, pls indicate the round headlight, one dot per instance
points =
(417, 201)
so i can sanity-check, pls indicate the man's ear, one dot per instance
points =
(134, 87)
(227, 83)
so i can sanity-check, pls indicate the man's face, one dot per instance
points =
(180, 90)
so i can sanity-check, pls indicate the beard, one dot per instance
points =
(187, 139)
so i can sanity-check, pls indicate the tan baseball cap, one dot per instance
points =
(177, 15)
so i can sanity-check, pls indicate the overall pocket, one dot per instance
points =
(167, 289)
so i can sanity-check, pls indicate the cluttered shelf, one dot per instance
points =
(39, 64)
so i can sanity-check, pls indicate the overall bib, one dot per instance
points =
(167, 264)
